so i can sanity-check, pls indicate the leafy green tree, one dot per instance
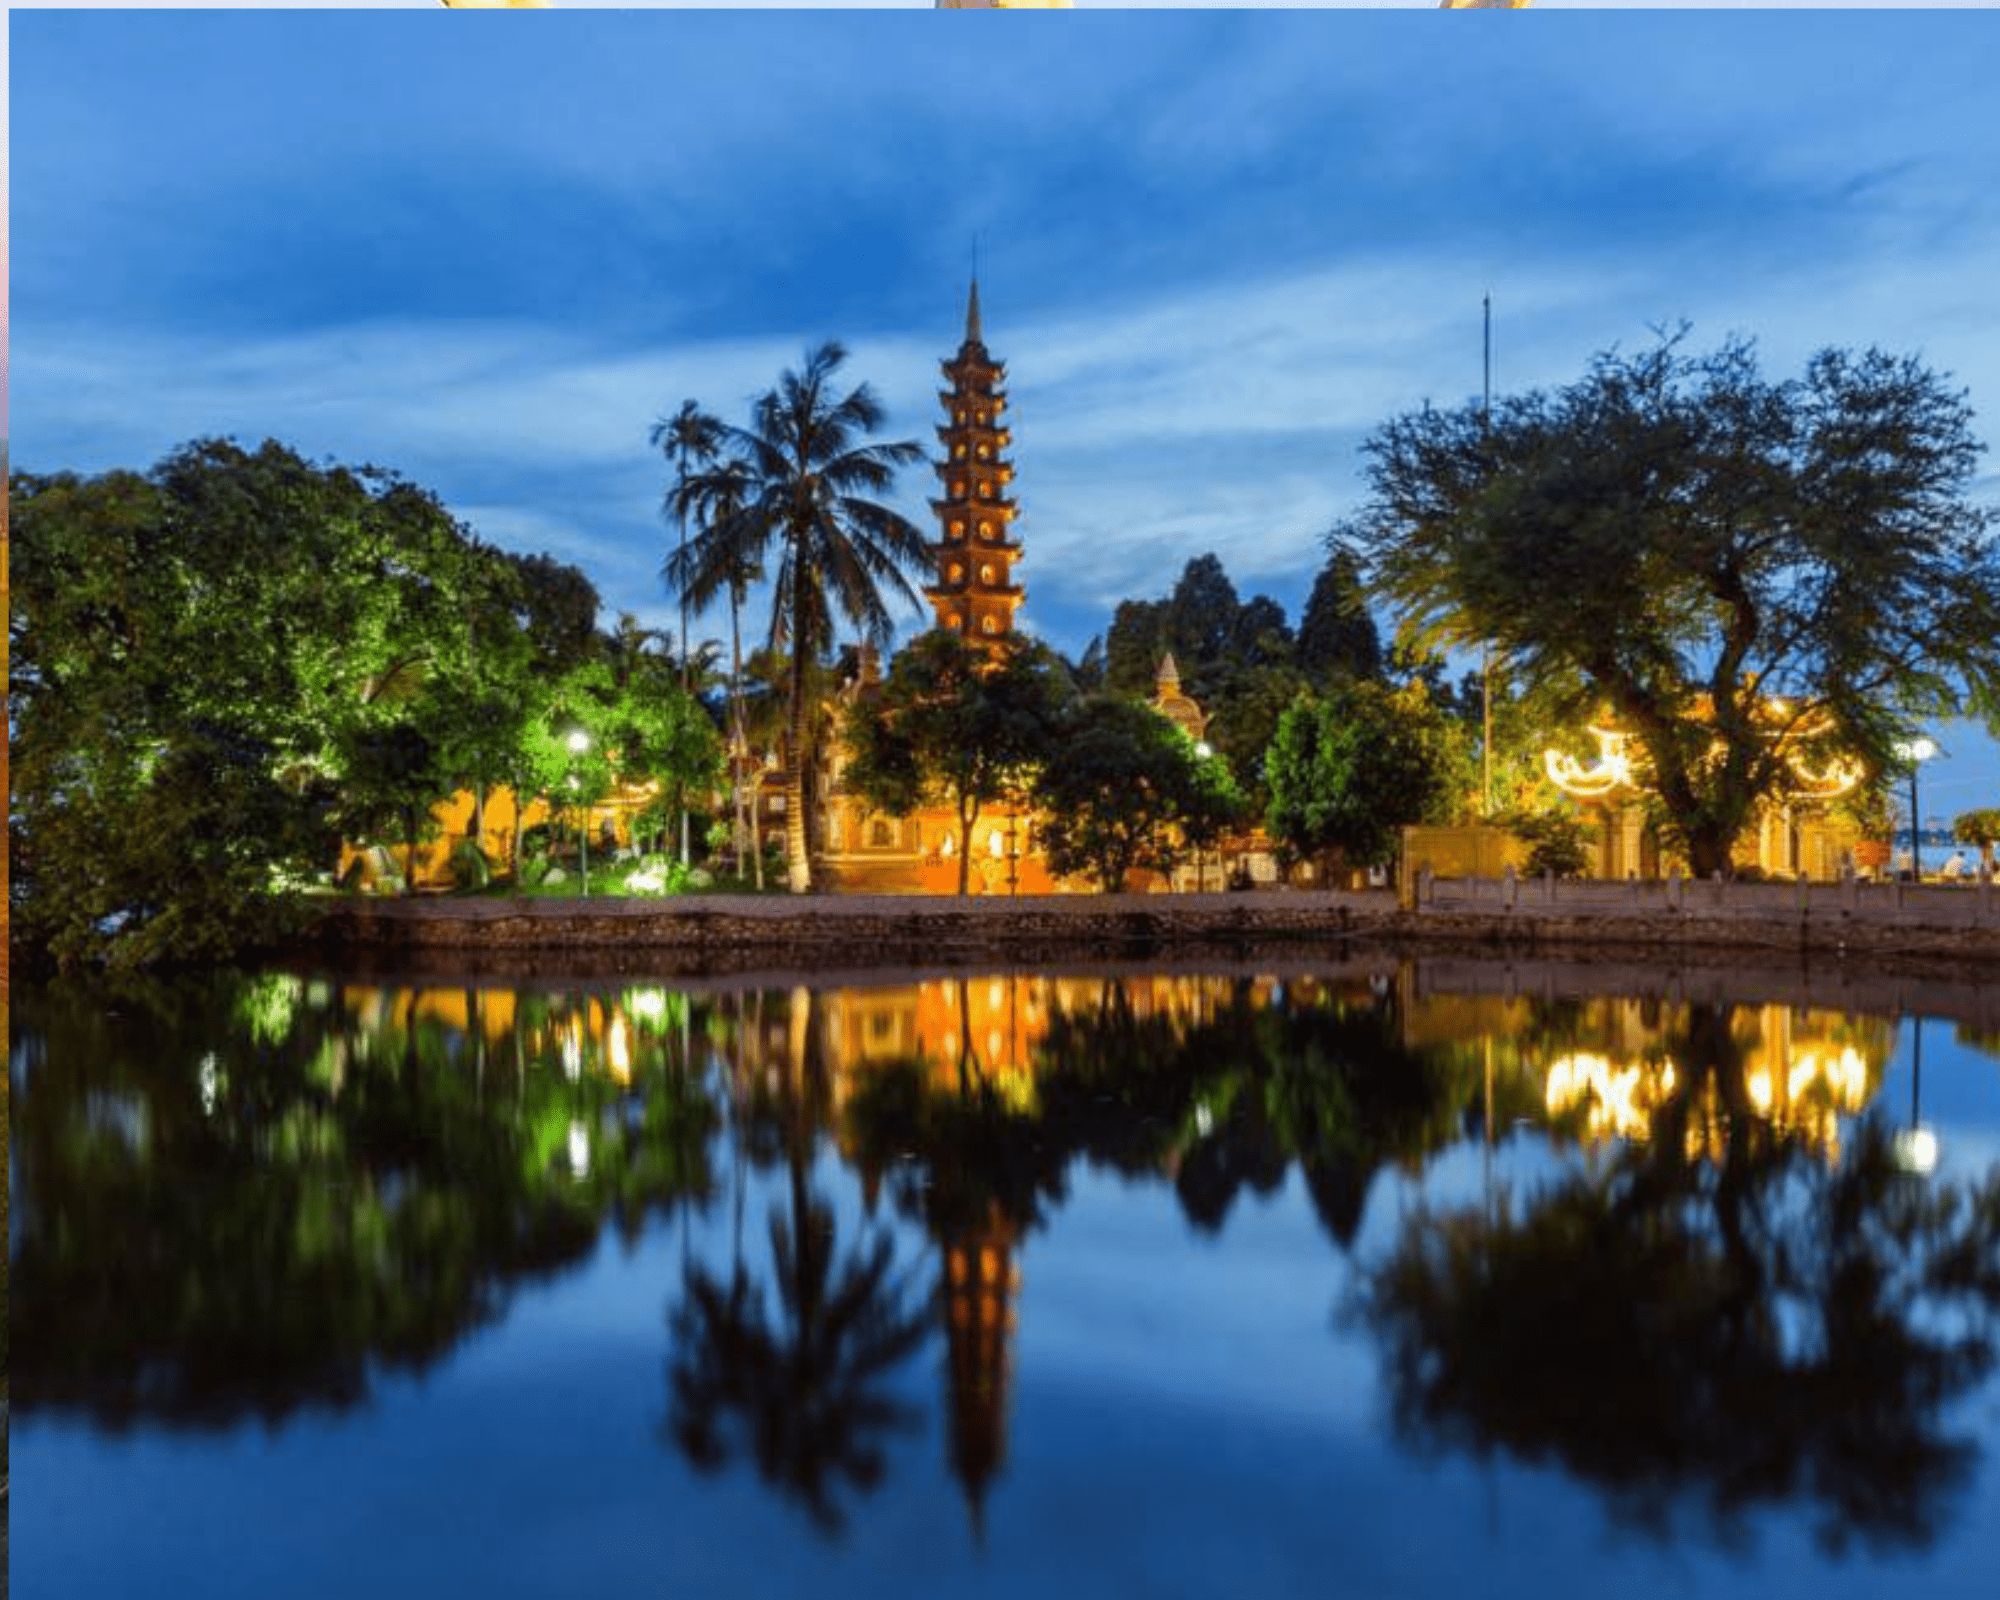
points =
(1741, 570)
(190, 651)
(1243, 718)
(959, 723)
(1350, 770)
(1201, 619)
(835, 549)
(1126, 789)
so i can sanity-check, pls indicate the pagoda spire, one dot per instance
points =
(975, 595)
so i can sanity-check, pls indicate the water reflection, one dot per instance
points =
(1704, 1336)
(1722, 1289)
(235, 1200)
(801, 1389)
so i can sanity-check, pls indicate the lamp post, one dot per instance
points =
(579, 741)
(1916, 751)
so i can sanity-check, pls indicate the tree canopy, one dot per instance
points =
(1127, 789)
(1739, 570)
(220, 666)
(957, 722)
(1350, 769)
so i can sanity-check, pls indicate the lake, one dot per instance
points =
(1364, 1275)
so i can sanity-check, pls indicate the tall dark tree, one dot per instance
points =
(1134, 645)
(1337, 637)
(1201, 619)
(1742, 571)
(834, 549)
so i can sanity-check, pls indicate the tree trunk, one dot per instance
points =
(1709, 850)
(797, 858)
(965, 823)
(738, 745)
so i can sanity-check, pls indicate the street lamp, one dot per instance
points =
(579, 741)
(1916, 752)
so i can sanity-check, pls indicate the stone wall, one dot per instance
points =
(858, 930)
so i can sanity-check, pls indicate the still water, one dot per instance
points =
(1365, 1277)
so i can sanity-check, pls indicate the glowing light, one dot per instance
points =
(649, 1005)
(1916, 1150)
(1611, 771)
(1620, 762)
(579, 1150)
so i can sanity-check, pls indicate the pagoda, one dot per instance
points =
(975, 595)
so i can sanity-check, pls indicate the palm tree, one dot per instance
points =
(810, 474)
(688, 437)
(710, 498)
(804, 1390)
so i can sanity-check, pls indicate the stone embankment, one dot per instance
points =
(715, 932)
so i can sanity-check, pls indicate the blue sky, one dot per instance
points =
(1215, 248)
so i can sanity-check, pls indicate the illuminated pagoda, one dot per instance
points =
(982, 1284)
(975, 595)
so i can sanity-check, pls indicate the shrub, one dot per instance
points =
(1557, 841)
(469, 867)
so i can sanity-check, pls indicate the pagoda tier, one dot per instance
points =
(975, 595)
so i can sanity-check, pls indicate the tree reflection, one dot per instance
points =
(237, 1199)
(1702, 1336)
(1323, 1078)
(803, 1389)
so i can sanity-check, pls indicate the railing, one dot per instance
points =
(1975, 904)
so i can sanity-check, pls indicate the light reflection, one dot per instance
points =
(1798, 1073)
